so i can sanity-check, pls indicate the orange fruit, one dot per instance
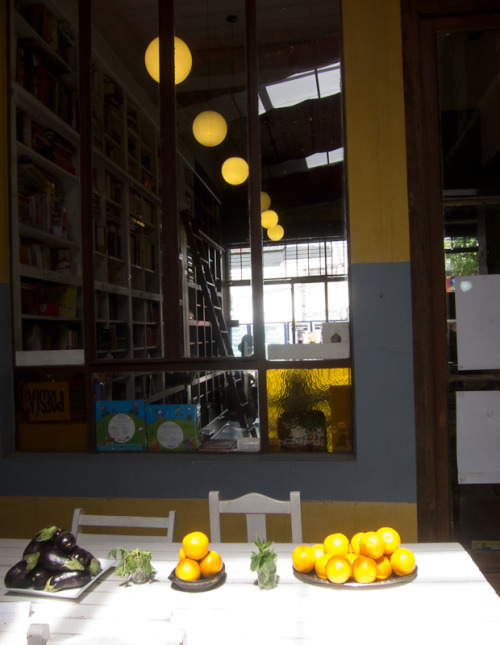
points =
(371, 545)
(210, 565)
(336, 544)
(182, 555)
(303, 558)
(320, 565)
(338, 569)
(351, 557)
(391, 539)
(188, 569)
(319, 550)
(364, 569)
(195, 545)
(384, 567)
(355, 542)
(403, 561)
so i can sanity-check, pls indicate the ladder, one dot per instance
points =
(219, 328)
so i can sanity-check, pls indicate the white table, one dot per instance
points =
(450, 601)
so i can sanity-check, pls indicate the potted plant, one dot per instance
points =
(264, 563)
(135, 565)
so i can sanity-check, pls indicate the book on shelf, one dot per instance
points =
(41, 75)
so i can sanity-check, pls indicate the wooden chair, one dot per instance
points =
(255, 506)
(81, 519)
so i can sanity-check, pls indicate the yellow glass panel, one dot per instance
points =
(310, 410)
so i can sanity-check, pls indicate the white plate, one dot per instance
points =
(68, 594)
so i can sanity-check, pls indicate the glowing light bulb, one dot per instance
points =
(265, 201)
(209, 128)
(269, 218)
(235, 170)
(275, 233)
(183, 60)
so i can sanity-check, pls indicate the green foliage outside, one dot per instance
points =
(459, 260)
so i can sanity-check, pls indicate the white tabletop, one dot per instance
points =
(450, 601)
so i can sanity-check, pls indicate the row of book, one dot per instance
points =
(40, 336)
(50, 300)
(41, 76)
(56, 32)
(140, 208)
(36, 254)
(41, 212)
(113, 337)
(142, 252)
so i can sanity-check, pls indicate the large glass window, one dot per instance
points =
(209, 200)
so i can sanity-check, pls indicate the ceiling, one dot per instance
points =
(295, 37)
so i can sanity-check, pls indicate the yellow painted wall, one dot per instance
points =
(375, 129)
(22, 517)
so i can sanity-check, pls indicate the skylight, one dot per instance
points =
(313, 84)
(325, 158)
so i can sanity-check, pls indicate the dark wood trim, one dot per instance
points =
(172, 318)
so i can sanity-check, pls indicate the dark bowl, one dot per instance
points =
(194, 586)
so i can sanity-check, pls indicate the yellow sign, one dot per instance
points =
(47, 401)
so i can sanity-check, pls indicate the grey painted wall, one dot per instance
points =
(384, 469)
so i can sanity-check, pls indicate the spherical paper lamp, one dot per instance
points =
(209, 128)
(182, 60)
(235, 170)
(265, 201)
(275, 233)
(269, 218)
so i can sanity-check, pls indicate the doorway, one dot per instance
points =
(452, 85)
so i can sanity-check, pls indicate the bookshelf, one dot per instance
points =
(124, 217)
(46, 222)
(126, 223)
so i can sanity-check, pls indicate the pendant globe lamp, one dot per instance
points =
(268, 218)
(183, 60)
(275, 233)
(265, 201)
(209, 128)
(235, 171)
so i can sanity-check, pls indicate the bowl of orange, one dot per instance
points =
(199, 568)
(368, 560)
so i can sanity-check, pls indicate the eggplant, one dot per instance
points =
(38, 577)
(87, 559)
(54, 559)
(43, 537)
(17, 577)
(65, 541)
(68, 580)
(82, 555)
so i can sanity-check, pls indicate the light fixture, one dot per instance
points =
(265, 201)
(182, 60)
(235, 170)
(209, 128)
(269, 218)
(275, 233)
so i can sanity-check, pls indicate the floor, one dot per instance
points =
(476, 525)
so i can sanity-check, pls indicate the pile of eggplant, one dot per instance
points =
(52, 561)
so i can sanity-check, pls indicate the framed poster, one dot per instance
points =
(478, 322)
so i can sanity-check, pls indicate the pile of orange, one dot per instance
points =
(196, 560)
(367, 557)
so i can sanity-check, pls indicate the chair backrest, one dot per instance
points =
(81, 519)
(255, 506)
